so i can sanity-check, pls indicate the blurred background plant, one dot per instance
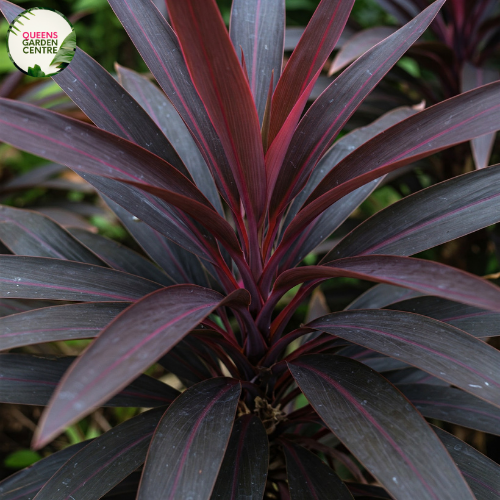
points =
(458, 53)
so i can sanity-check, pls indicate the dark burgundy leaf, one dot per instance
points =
(224, 89)
(243, 471)
(195, 430)
(384, 432)
(32, 178)
(181, 266)
(473, 77)
(326, 117)
(482, 474)
(158, 45)
(105, 462)
(112, 108)
(424, 276)
(127, 347)
(311, 53)
(435, 347)
(381, 296)
(428, 218)
(52, 324)
(30, 233)
(257, 26)
(12, 306)
(309, 478)
(120, 257)
(477, 322)
(31, 380)
(161, 110)
(34, 129)
(26, 483)
(41, 278)
(454, 406)
(358, 45)
(333, 217)
(438, 127)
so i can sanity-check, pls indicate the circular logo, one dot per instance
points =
(41, 42)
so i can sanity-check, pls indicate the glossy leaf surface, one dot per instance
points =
(105, 462)
(224, 89)
(26, 379)
(482, 474)
(397, 447)
(120, 257)
(314, 47)
(25, 484)
(30, 233)
(453, 405)
(257, 26)
(54, 279)
(164, 114)
(428, 218)
(423, 276)
(243, 471)
(159, 47)
(477, 322)
(437, 348)
(196, 430)
(127, 347)
(326, 117)
(52, 324)
(472, 114)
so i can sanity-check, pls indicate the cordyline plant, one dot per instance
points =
(231, 130)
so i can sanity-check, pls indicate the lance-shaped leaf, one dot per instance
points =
(453, 405)
(31, 380)
(105, 462)
(52, 324)
(42, 278)
(435, 347)
(326, 117)
(477, 322)
(26, 483)
(257, 26)
(335, 215)
(195, 430)
(112, 108)
(315, 45)
(164, 114)
(357, 45)
(30, 233)
(181, 266)
(243, 472)
(309, 478)
(10, 10)
(158, 45)
(482, 474)
(120, 257)
(381, 296)
(450, 122)
(224, 89)
(423, 276)
(428, 218)
(127, 347)
(34, 129)
(385, 433)
(473, 77)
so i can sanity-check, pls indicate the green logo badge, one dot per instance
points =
(41, 42)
